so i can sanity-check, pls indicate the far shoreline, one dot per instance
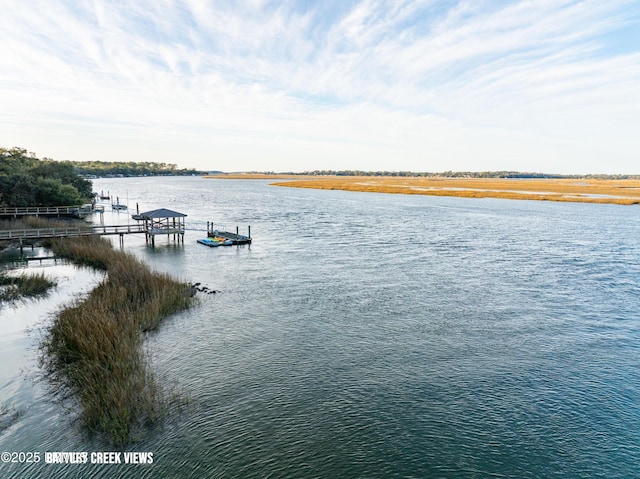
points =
(576, 190)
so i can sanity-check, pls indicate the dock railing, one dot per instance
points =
(37, 233)
(15, 211)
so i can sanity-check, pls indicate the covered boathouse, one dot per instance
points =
(163, 222)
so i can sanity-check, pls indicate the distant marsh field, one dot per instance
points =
(622, 192)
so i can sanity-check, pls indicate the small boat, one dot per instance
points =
(209, 242)
(222, 240)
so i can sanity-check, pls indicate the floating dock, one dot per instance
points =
(216, 236)
(233, 237)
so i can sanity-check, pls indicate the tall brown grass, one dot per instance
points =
(32, 222)
(94, 347)
(26, 285)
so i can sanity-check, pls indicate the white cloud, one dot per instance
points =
(372, 85)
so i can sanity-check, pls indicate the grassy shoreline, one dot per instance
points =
(93, 350)
(620, 192)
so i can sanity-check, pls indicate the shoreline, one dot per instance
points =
(94, 347)
(619, 192)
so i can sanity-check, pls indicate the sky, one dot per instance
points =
(297, 85)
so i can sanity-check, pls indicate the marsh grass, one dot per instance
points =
(94, 347)
(623, 192)
(30, 222)
(25, 285)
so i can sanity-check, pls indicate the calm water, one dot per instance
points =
(373, 336)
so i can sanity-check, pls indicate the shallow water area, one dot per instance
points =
(27, 411)
(373, 335)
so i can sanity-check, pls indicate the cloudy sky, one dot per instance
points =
(424, 85)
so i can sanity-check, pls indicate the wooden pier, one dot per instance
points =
(41, 233)
(50, 211)
(151, 223)
(150, 231)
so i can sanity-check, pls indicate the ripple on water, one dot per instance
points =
(389, 336)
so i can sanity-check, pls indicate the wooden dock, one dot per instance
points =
(152, 223)
(50, 211)
(41, 233)
(217, 232)
(150, 232)
(233, 237)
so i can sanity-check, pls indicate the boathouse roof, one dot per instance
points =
(162, 213)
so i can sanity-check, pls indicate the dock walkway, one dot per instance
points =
(39, 233)
(49, 211)
(157, 222)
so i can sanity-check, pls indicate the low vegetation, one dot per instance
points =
(423, 174)
(613, 189)
(94, 350)
(623, 192)
(32, 222)
(25, 285)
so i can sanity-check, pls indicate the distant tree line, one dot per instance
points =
(130, 168)
(26, 180)
(457, 174)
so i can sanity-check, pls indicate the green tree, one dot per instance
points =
(18, 190)
(52, 192)
(26, 180)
